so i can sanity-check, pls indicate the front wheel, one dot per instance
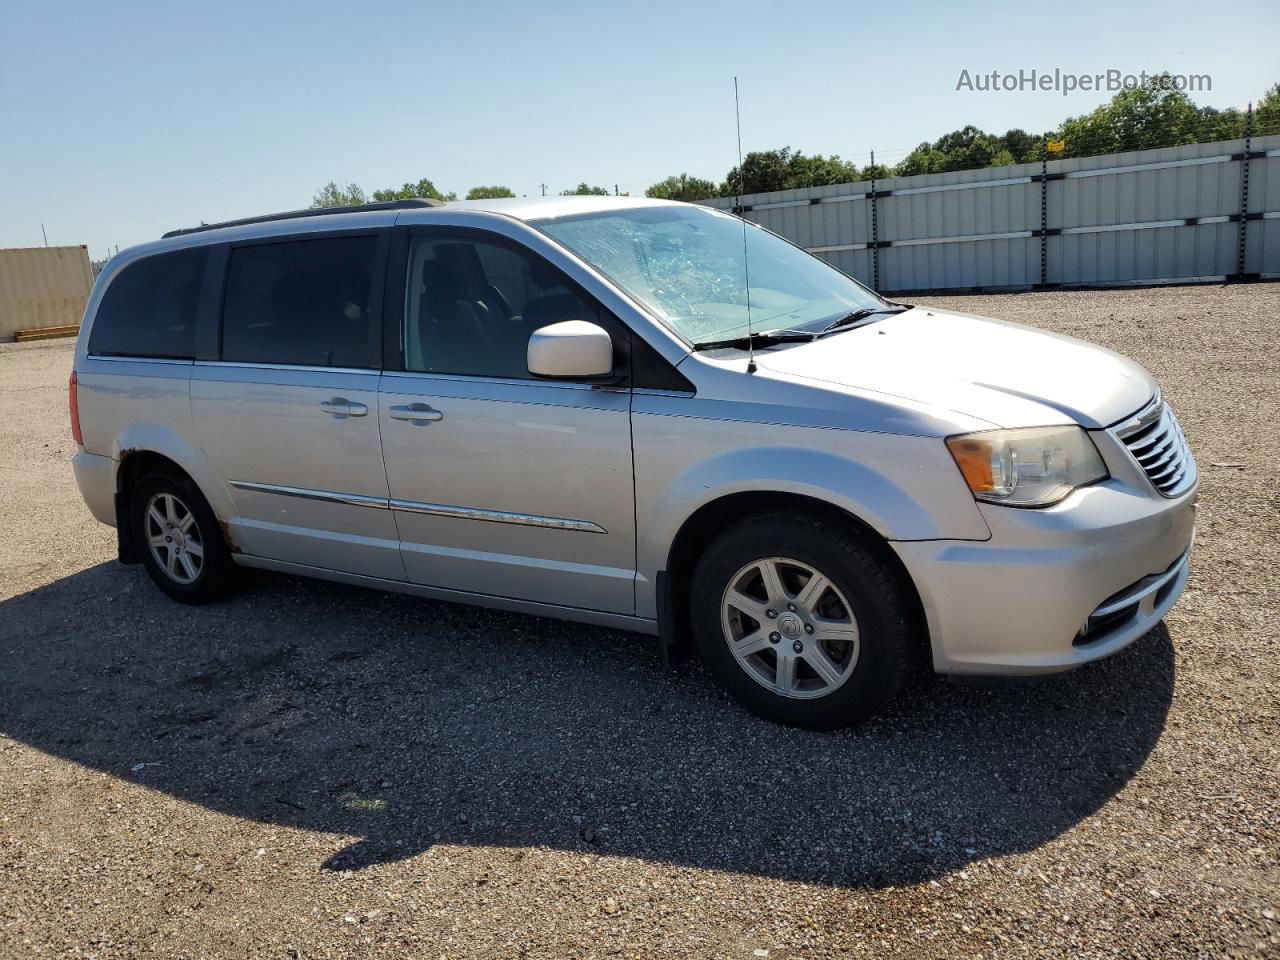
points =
(802, 622)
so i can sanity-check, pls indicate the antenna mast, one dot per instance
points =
(746, 273)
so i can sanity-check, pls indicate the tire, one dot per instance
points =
(842, 651)
(193, 565)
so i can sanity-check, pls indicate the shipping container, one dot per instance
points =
(43, 287)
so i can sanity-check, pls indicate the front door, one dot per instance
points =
(289, 413)
(501, 484)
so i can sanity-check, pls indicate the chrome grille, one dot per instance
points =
(1155, 440)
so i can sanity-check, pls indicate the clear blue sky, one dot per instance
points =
(121, 120)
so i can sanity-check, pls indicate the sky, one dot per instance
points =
(120, 121)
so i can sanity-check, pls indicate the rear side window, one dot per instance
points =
(149, 310)
(303, 302)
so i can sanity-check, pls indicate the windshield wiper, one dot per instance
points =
(758, 340)
(849, 319)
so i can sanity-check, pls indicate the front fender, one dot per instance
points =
(857, 488)
(903, 487)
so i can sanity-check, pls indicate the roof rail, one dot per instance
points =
(406, 204)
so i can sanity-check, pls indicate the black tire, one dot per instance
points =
(214, 575)
(881, 604)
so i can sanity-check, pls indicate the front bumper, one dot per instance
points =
(1054, 588)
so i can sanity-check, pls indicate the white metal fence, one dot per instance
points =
(1205, 211)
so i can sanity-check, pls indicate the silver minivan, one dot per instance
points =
(636, 413)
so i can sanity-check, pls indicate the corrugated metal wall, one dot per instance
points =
(1147, 216)
(43, 287)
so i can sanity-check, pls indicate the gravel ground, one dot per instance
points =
(310, 770)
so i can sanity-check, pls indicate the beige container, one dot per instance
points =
(43, 287)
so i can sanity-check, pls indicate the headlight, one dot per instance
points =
(1030, 467)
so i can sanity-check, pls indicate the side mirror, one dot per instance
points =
(570, 350)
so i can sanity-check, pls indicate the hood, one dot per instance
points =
(1004, 373)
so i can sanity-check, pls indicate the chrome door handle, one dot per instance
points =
(342, 407)
(416, 413)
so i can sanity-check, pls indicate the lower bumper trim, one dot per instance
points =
(1119, 609)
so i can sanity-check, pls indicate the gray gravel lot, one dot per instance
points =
(309, 770)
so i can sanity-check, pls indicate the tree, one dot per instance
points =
(683, 187)
(583, 190)
(1266, 115)
(762, 171)
(1154, 115)
(488, 193)
(923, 159)
(1022, 146)
(332, 195)
(786, 169)
(969, 148)
(423, 188)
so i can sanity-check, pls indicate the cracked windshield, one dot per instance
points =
(686, 265)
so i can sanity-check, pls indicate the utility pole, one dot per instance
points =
(45, 235)
(544, 188)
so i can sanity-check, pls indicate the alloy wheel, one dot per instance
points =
(790, 628)
(174, 538)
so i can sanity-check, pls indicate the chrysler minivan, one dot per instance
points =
(636, 413)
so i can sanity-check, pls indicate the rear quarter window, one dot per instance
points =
(149, 309)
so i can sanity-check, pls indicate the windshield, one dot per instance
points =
(685, 264)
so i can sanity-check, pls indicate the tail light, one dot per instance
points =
(73, 401)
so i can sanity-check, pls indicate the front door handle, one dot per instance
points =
(416, 413)
(342, 407)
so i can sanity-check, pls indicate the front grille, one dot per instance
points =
(1156, 442)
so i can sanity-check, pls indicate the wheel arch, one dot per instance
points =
(134, 464)
(700, 528)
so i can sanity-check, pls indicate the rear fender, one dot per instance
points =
(157, 438)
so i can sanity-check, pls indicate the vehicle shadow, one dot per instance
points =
(407, 723)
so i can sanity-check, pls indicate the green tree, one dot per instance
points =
(1154, 115)
(762, 171)
(423, 188)
(488, 193)
(683, 187)
(1023, 147)
(969, 149)
(1266, 114)
(332, 195)
(923, 159)
(819, 171)
(585, 190)
(786, 169)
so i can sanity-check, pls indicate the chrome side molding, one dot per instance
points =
(496, 516)
(306, 493)
(428, 509)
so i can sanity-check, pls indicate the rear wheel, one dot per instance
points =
(802, 622)
(181, 542)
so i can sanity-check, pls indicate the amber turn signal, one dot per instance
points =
(973, 457)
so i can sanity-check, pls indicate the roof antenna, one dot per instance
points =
(746, 273)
